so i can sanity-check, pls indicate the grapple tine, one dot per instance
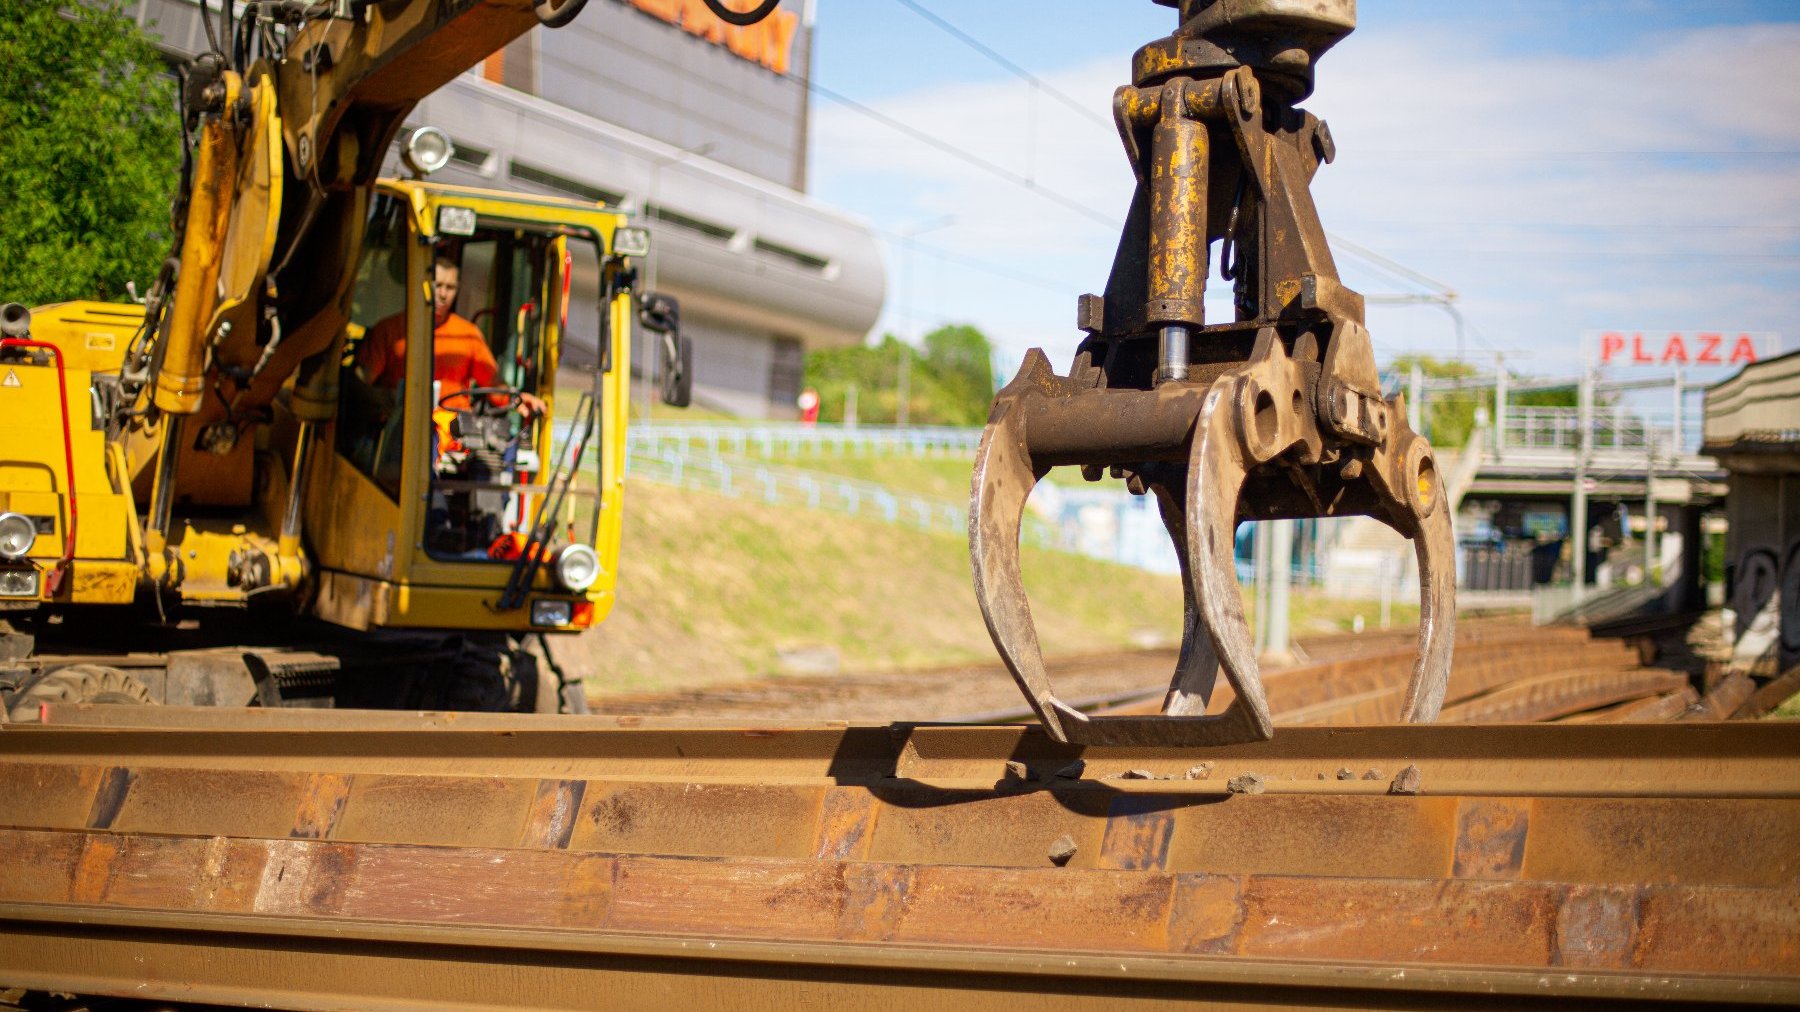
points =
(1197, 669)
(1003, 480)
(1435, 547)
(1216, 472)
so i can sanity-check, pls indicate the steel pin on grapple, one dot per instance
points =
(1275, 415)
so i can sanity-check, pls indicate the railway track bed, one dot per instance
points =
(504, 861)
(1505, 671)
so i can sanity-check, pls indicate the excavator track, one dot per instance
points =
(486, 860)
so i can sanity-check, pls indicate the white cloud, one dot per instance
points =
(1501, 174)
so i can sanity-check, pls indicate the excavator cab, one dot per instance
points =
(474, 480)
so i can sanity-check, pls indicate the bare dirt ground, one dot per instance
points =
(945, 693)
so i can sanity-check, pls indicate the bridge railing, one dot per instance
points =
(1559, 429)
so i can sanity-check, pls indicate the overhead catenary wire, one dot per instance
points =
(963, 155)
(939, 253)
(1016, 70)
(1383, 263)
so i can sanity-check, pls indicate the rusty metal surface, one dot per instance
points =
(1504, 673)
(1588, 860)
(286, 963)
(1668, 706)
(1273, 416)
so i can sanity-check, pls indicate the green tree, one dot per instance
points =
(90, 148)
(1449, 415)
(949, 383)
(959, 360)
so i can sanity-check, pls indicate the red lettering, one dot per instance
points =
(1744, 350)
(1709, 348)
(1675, 350)
(1610, 345)
(1637, 349)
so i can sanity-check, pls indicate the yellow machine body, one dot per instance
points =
(351, 547)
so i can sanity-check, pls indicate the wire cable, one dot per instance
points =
(962, 155)
(1017, 71)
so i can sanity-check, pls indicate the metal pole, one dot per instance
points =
(647, 370)
(1500, 396)
(1678, 447)
(1415, 399)
(904, 387)
(1281, 561)
(1649, 509)
(1578, 507)
(1387, 591)
(1259, 555)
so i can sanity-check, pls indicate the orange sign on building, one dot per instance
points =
(769, 42)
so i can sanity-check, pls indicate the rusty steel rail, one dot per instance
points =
(1368, 687)
(403, 864)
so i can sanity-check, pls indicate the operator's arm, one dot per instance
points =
(377, 358)
(485, 372)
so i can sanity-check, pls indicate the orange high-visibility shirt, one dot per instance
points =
(459, 354)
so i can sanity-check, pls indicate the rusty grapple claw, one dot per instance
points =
(1276, 415)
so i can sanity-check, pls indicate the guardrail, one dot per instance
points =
(793, 440)
(786, 486)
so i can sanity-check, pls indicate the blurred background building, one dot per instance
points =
(700, 130)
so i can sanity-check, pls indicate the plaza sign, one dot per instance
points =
(769, 42)
(1698, 347)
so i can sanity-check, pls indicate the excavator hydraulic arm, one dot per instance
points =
(1277, 414)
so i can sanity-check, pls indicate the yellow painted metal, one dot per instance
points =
(91, 335)
(436, 593)
(202, 549)
(34, 474)
(366, 545)
(180, 383)
(249, 239)
(358, 602)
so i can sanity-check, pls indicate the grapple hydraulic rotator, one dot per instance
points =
(1276, 415)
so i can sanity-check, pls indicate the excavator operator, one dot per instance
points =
(460, 355)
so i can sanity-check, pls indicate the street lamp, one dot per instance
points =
(648, 213)
(906, 237)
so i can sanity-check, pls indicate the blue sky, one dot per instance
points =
(1563, 167)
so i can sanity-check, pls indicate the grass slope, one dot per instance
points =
(714, 589)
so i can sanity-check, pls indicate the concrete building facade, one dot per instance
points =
(700, 131)
(1753, 428)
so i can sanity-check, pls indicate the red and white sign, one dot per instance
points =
(1691, 347)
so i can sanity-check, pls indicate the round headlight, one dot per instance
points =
(18, 531)
(427, 150)
(577, 567)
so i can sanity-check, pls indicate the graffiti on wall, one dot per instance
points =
(1765, 597)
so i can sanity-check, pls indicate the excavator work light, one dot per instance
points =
(632, 242)
(18, 582)
(577, 567)
(427, 150)
(17, 532)
(552, 613)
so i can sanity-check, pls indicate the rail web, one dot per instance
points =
(411, 861)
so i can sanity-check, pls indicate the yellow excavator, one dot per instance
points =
(210, 457)
(332, 456)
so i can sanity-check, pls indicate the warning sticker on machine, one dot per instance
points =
(11, 380)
